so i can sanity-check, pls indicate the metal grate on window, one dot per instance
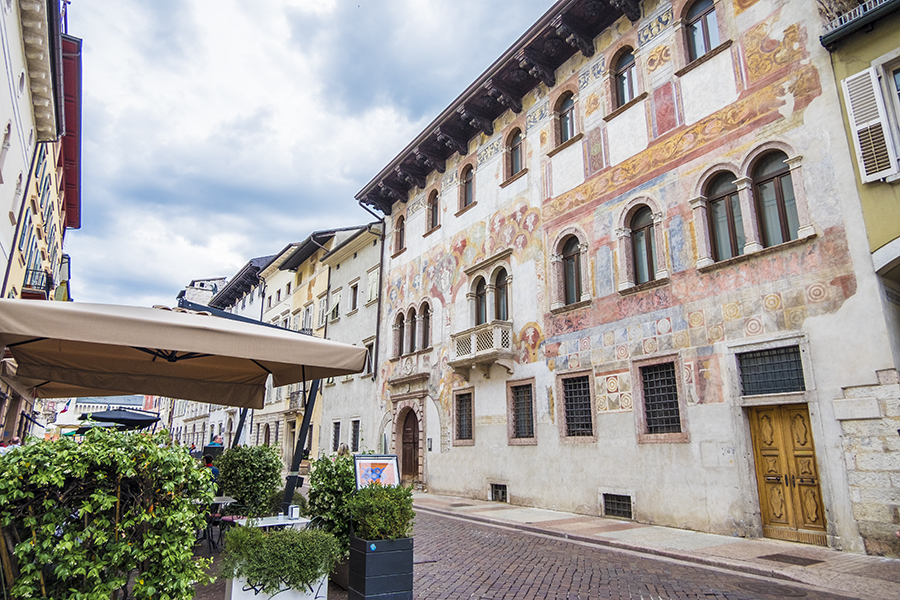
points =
(615, 505)
(523, 413)
(498, 492)
(354, 440)
(773, 371)
(464, 416)
(661, 398)
(577, 396)
(335, 436)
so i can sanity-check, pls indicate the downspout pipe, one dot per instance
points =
(380, 289)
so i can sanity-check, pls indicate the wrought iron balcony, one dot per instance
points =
(482, 347)
(37, 284)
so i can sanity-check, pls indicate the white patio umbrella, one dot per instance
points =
(64, 349)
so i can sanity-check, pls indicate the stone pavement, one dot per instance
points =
(852, 575)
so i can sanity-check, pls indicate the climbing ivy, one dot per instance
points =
(112, 517)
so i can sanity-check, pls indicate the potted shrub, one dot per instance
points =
(381, 549)
(292, 564)
(331, 483)
(250, 474)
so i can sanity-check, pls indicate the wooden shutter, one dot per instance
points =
(872, 139)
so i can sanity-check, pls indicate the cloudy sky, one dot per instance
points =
(217, 131)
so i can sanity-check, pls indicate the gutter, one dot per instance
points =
(380, 289)
(867, 21)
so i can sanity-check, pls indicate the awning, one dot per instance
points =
(65, 349)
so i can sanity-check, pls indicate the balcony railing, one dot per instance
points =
(37, 285)
(482, 347)
(852, 15)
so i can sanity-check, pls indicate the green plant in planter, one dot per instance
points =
(331, 483)
(382, 512)
(272, 561)
(250, 474)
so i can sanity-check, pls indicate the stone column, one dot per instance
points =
(626, 265)
(557, 298)
(806, 228)
(752, 241)
(585, 272)
(701, 229)
(659, 242)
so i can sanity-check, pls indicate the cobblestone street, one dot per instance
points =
(457, 559)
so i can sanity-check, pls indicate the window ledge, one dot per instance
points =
(464, 442)
(664, 438)
(465, 208)
(565, 145)
(706, 57)
(530, 441)
(578, 439)
(512, 178)
(398, 252)
(765, 251)
(372, 301)
(573, 306)
(647, 285)
(780, 398)
(625, 107)
(430, 231)
(352, 312)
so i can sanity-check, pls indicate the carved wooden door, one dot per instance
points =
(789, 496)
(410, 467)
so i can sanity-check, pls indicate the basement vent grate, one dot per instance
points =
(498, 492)
(615, 505)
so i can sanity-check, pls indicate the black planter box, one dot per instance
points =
(381, 569)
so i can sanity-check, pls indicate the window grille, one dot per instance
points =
(661, 398)
(335, 436)
(773, 371)
(464, 416)
(615, 505)
(577, 394)
(354, 440)
(498, 492)
(523, 414)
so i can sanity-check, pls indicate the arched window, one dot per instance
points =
(643, 246)
(501, 296)
(571, 270)
(626, 74)
(426, 326)
(400, 234)
(726, 225)
(702, 29)
(412, 329)
(480, 302)
(515, 153)
(775, 201)
(433, 210)
(401, 333)
(468, 179)
(567, 118)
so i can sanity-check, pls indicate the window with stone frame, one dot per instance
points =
(481, 312)
(434, 211)
(625, 78)
(335, 436)
(726, 223)
(411, 322)
(400, 335)
(463, 418)
(425, 323)
(577, 406)
(354, 435)
(372, 286)
(400, 235)
(467, 195)
(520, 412)
(515, 153)
(643, 245)
(776, 204)
(659, 400)
(501, 296)
(566, 121)
(701, 29)
(571, 262)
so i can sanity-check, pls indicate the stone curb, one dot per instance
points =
(739, 567)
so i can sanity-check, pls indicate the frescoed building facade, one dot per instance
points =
(649, 294)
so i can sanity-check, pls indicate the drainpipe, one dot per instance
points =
(380, 288)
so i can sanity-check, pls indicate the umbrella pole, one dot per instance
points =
(240, 427)
(293, 478)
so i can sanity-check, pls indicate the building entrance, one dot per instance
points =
(790, 499)
(409, 469)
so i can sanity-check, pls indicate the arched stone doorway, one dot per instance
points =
(409, 453)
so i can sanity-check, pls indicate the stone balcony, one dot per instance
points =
(481, 347)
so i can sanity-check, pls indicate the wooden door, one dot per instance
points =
(789, 495)
(410, 467)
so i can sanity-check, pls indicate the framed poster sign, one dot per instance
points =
(371, 468)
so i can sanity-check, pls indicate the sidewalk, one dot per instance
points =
(859, 576)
